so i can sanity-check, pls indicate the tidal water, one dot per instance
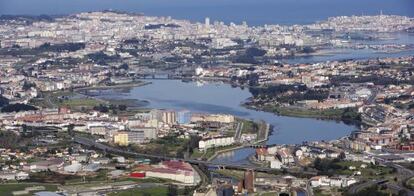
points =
(224, 99)
(338, 54)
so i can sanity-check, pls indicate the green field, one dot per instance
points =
(249, 126)
(64, 98)
(330, 167)
(210, 152)
(349, 114)
(197, 154)
(7, 189)
(85, 102)
(156, 191)
(410, 183)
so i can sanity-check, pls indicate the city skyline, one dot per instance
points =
(287, 97)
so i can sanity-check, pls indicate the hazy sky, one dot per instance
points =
(255, 11)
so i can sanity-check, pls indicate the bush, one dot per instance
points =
(3, 101)
(18, 107)
(8, 139)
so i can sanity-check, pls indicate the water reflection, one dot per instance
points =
(222, 98)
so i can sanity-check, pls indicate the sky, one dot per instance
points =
(254, 11)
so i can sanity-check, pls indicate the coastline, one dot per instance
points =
(305, 113)
(126, 85)
(216, 154)
(268, 131)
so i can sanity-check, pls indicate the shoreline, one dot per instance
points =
(268, 131)
(308, 115)
(138, 83)
(269, 128)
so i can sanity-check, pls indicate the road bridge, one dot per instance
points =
(92, 143)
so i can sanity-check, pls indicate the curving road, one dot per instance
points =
(92, 143)
(404, 175)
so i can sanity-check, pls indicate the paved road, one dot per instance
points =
(239, 129)
(309, 190)
(92, 143)
(403, 173)
(100, 146)
(358, 187)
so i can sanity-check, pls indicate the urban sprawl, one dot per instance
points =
(57, 138)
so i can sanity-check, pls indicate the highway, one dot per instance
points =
(109, 149)
(403, 172)
(404, 175)
(358, 187)
(92, 143)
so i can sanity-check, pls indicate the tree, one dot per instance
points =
(255, 52)
(24, 128)
(18, 107)
(402, 192)
(101, 108)
(187, 190)
(9, 139)
(3, 101)
(193, 143)
(342, 155)
(61, 47)
(370, 191)
(172, 190)
(27, 85)
(124, 66)
(308, 49)
(122, 107)
(326, 166)
(70, 129)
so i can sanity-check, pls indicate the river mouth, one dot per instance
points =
(214, 97)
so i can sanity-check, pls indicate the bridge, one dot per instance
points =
(93, 144)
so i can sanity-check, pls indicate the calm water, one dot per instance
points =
(358, 54)
(222, 98)
(346, 54)
(253, 11)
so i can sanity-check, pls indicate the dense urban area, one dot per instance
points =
(58, 138)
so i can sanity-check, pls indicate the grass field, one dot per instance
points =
(249, 127)
(210, 152)
(156, 191)
(85, 102)
(349, 114)
(370, 172)
(64, 98)
(197, 154)
(7, 189)
(240, 174)
(410, 183)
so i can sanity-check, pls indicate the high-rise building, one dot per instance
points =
(249, 181)
(147, 132)
(207, 21)
(136, 137)
(121, 138)
(225, 190)
(184, 117)
(168, 117)
(129, 137)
